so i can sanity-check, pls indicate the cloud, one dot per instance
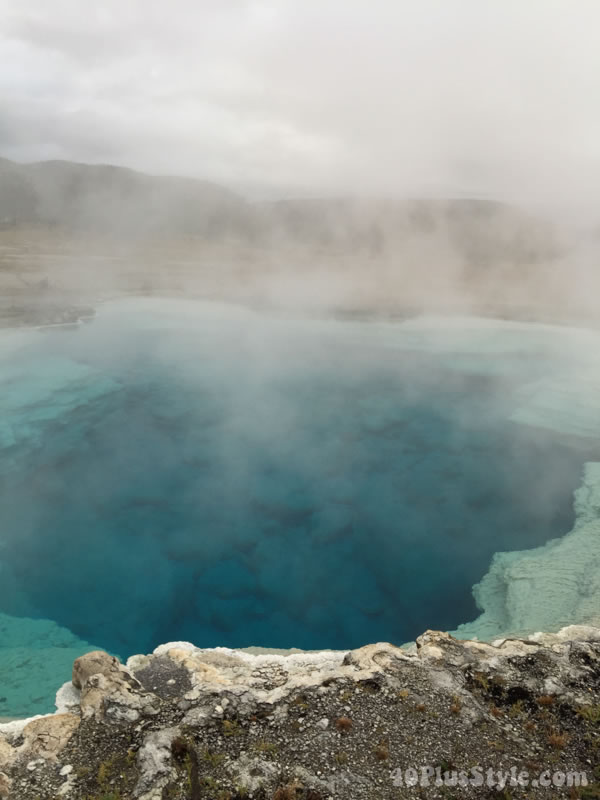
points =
(433, 96)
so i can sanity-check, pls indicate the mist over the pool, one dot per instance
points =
(183, 470)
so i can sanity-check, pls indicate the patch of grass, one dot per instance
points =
(370, 686)
(343, 724)
(262, 746)
(300, 701)
(481, 679)
(590, 714)
(545, 700)
(179, 748)
(213, 759)
(109, 796)
(497, 746)
(456, 706)
(183, 753)
(590, 792)
(82, 772)
(105, 773)
(288, 791)
(516, 709)
(210, 783)
(382, 751)
(446, 766)
(558, 741)
(231, 727)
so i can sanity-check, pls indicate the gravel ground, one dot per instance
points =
(483, 722)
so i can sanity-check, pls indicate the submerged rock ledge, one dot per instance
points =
(546, 587)
(191, 723)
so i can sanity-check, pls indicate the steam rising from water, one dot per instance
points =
(191, 471)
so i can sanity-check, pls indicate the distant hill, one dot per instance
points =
(60, 220)
(116, 200)
(480, 234)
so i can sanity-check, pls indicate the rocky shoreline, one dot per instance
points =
(221, 724)
(29, 313)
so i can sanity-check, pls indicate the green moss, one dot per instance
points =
(213, 759)
(590, 714)
(109, 796)
(82, 772)
(516, 709)
(106, 771)
(231, 728)
(591, 792)
(482, 680)
(300, 702)
(265, 747)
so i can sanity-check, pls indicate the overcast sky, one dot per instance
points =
(494, 97)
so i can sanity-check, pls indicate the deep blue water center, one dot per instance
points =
(247, 482)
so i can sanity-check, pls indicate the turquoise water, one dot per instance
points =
(213, 475)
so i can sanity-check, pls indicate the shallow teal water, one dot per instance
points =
(238, 480)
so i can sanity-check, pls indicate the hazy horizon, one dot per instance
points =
(407, 101)
(490, 100)
(266, 193)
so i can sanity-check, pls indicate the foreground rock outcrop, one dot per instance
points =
(516, 718)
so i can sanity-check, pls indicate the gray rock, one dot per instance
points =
(5, 786)
(95, 663)
(154, 762)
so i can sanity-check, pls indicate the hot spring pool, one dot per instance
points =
(191, 471)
